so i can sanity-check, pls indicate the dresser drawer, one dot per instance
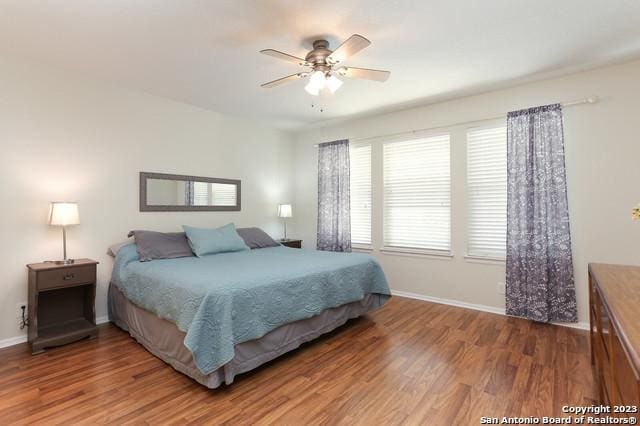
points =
(608, 383)
(603, 324)
(625, 377)
(58, 278)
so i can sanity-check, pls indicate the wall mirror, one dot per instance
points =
(177, 193)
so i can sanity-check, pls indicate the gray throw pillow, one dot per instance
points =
(256, 238)
(161, 245)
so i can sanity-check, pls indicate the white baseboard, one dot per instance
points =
(475, 307)
(13, 341)
(23, 337)
(450, 302)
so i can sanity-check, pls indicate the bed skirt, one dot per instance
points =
(164, 340)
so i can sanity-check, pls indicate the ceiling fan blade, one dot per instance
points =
(350, 47)
(284, 80)
(284, 56)
(366, 73)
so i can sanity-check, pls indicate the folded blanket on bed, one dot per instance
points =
(229, 298)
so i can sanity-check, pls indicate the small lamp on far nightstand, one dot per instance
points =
(64, 214)
(284, 211)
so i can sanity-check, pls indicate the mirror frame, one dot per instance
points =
(144, 207)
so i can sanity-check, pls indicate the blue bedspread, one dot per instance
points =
(225, 299)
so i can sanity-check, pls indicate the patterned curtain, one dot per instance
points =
(334, 210)
(539, 283)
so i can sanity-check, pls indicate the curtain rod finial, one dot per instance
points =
(592, 99)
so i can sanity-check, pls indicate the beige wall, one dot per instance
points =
(63, 138)
(602, 153)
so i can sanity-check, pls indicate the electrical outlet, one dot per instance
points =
(19, 309)
(19, 317)
(501, 288)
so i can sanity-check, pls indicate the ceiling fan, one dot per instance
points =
(324, 65)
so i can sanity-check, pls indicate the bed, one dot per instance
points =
(218, 316)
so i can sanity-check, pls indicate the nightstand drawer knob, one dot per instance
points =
(69, 277)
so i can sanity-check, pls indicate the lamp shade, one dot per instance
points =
(63, 214)
(284, 210)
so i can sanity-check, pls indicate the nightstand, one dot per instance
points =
(291, 243)
(61, 303)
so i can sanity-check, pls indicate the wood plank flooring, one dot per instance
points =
(411, 362)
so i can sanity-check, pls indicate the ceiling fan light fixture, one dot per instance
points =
(333, 83)
(318, 80)
(311, 89)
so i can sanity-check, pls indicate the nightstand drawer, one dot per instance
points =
(64, 277)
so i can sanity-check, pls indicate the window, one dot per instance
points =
(213, 194)
(223, 194)
(360, 188)
(417, 194)
(487, 191)
(200, 194)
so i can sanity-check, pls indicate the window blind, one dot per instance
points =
(360, 189)
(417, 194)
(200, 194)
(487, 191)
(223, 194)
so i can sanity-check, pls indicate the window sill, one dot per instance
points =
(485, 260)
(362, 247)
(433, 254)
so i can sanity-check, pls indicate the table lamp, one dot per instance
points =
(284, 211)
(64, 214)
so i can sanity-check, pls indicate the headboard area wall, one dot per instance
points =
(69, 139)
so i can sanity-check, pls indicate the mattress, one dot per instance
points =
(164, 340)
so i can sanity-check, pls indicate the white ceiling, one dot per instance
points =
(205, 52)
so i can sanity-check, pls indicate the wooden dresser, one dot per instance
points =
(614, 299)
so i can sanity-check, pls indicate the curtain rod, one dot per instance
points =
(589, 100)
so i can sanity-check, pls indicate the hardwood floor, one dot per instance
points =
(411, 362)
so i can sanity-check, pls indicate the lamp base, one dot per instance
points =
(62, 262)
